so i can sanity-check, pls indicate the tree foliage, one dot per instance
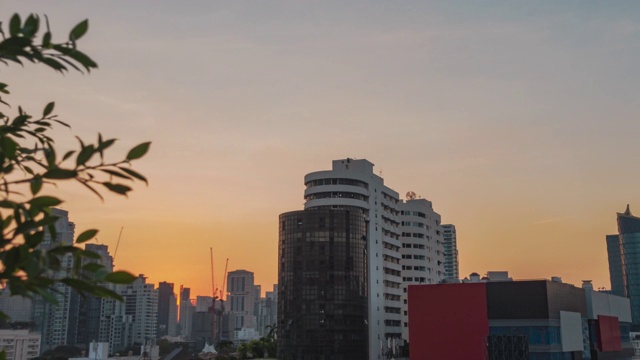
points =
(31, 168)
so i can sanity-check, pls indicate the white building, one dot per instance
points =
(451, 263)
(19, 344)
(422, 248)
(267, 313)
(353, 183)
(57, 323)
(116, 327)
(141, 301)
(187, 309)
(241, 299)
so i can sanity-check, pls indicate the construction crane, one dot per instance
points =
(117, 244)
(213, 299)
(224, 280)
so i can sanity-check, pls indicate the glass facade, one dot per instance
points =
(624, 262)
(537, 335)
(322, 299)
(630, 259)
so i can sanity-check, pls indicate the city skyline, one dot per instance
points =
(517, 121)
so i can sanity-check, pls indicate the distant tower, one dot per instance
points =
(241, 299)
(624, 262)
(166, 301)
(58, 323)
(186, 312)
(141, 301)
(423, 260)
(451, 262)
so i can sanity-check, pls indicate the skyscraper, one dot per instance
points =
(90, 307)
(353, 184)
(141, 301)
(58, 322)
(451, 264)
(241, 299)
(423, 260)
(186, 312)
(322, 284)
(624, 262)
(166, 301)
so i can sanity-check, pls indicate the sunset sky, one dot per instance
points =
(519, 121)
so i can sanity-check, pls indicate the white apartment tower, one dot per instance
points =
(353, 183)
(451, 264)
(58, 322)
(141, 303)
(241, 299)
(422, 248)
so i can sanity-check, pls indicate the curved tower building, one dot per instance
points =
(352, 184)
(322, 285)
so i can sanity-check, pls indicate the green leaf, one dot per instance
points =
(68, 155)
(58, 173)
(120, 277)
(31, 26)
(14, 25)
(45, 201)
(46, 40)
(86, 236)
(135, 174)
(79, 30)
(117, 188)
(8, 147)
(92, 267)
(116, 174)
(48, 109)
(85, 155)
(138, 151)
(36, 185)
(79, 285)
(7, 204)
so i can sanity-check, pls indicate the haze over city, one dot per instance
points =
(518, 121)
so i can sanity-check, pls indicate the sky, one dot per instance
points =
(519, 121)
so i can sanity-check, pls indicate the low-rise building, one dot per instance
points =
(532, 319)
(19, 344)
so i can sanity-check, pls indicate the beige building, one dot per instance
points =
(20, 344)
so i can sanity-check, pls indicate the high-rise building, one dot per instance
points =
(141, 301)
(322, 284)
(17, 308)
(58, 323)
(186, 312)
(451, 264)
(202, 326)
(166, 302)
(624, 262)
(352, 186)
(241, 300)
(90, 307)
(268, 311)
(116, 326)
(423, 260)
(352, 183)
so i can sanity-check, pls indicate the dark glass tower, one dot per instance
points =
(165, 292)
(624, 262)
(322, 285)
